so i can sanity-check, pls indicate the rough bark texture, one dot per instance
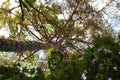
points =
(10, 45)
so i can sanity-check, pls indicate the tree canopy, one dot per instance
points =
(80, 22)
(75, 36)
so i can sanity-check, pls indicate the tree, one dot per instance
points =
(10, 45)
(101, 60)
(98, 62)
(15, 73)
(69, 34)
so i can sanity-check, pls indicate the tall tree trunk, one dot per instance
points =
(10, 45)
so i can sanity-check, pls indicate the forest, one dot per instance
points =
(59, 40)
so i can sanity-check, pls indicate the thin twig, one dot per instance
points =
(29, 56)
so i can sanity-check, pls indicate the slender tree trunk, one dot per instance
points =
(10, 45)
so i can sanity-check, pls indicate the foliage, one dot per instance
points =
(17, 72)
(101, 60)
(41, 22)
(55, 59)
(69, 70)
(72, 36)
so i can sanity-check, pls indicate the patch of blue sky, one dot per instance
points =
(111, 12)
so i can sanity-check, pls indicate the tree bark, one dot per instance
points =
(10, 45)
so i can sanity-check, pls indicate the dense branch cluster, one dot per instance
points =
(70, 34)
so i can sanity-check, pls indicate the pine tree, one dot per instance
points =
(11, 45)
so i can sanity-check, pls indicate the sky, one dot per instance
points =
(11, 1)
(111, 12)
